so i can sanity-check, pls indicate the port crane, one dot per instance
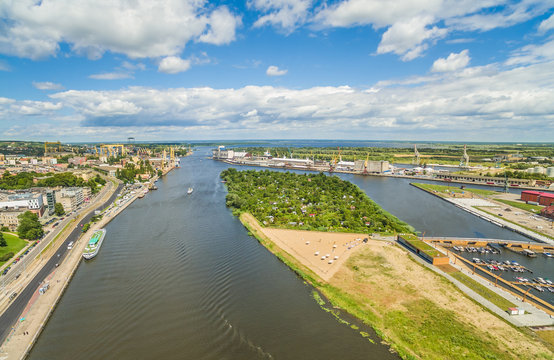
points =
(46, 143)
(365, 164)
(464, 161)
(416, 156)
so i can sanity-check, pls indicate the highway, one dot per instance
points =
(12, 313)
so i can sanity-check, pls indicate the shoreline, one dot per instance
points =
(363, 308)
(17, 347)
(325, 170)
(492, 219)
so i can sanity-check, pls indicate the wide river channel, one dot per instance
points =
(178, 277)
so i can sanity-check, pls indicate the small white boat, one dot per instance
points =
(189, 191)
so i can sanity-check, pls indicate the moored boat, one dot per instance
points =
(189, 191)
(93, 246)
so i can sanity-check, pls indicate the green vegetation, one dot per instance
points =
(14, 245)
(3, 242)
(308, 202)
(58, 209)
(443, 189)
(25, 180)
(447, 153)
(423, 331)
(490, 295)
(522, 205)
(29, 226)
(422, 245)
(522, 175)
(129, 173)
(86, 227)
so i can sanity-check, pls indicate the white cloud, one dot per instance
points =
(413, 25)
(136, 28)
(531, 54)
(488, 103)
(111, 76)
(173, 65)
(452, 63)
(407, 38)
(283, 14)
(275, 71)
(547, 24)
(47, 85)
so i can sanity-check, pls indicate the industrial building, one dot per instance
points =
(490, 180)
(541, 198)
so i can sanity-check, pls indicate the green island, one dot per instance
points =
(419, 313)
(307, 202)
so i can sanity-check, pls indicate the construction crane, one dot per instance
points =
(365, 164)
(46, 143)
(464, 161)
(416, 156)
(112, 150)
(171, 156)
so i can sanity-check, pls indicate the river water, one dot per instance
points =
(178, 277)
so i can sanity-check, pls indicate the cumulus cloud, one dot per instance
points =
(47, 85)
(275, 71)
(173, 65)
(137, 29)
(283, 14)
(413, 25)
(111, 76)
(452, 63)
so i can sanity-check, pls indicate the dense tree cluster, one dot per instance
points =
(25, 180)
(29, 226)
(307, 201)
(129, 173)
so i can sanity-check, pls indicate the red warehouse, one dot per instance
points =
(541, 198)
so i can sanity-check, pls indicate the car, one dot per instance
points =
(57, 264)
(12, 296)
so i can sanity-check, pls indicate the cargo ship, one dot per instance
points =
(94, 244)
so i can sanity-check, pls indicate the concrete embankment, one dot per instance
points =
(39, 309)
(388, 175)
(492, 219)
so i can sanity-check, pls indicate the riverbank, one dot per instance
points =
(419, 312)
(41, 306)
(478, 199)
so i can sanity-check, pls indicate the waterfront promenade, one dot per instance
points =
(39, 307)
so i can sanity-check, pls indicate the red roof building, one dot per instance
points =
(538, 197)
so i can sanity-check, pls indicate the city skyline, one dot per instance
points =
(353, 69)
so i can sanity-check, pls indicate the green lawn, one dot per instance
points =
(456, 189)
(15, 244)
(483, 291)
(521, 205)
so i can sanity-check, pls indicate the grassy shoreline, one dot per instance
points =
(424, 330)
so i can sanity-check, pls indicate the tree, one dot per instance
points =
(4, 228)
(3, 242)
(29, 226)
(58, 209)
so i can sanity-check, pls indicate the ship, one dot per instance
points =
(94, 244)
(189, 191)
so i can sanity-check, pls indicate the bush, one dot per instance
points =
(7, 256)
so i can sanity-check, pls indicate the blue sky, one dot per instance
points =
(104, 70)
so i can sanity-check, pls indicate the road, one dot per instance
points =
(21, 266)
(12, 313)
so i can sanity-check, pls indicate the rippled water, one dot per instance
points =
(178, 277)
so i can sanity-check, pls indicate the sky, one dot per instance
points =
(178, 70)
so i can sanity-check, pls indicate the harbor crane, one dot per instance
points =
(416, 156)
(464, 161)
(59, 147)
(365, 164)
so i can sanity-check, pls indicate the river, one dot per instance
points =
(178, 277)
